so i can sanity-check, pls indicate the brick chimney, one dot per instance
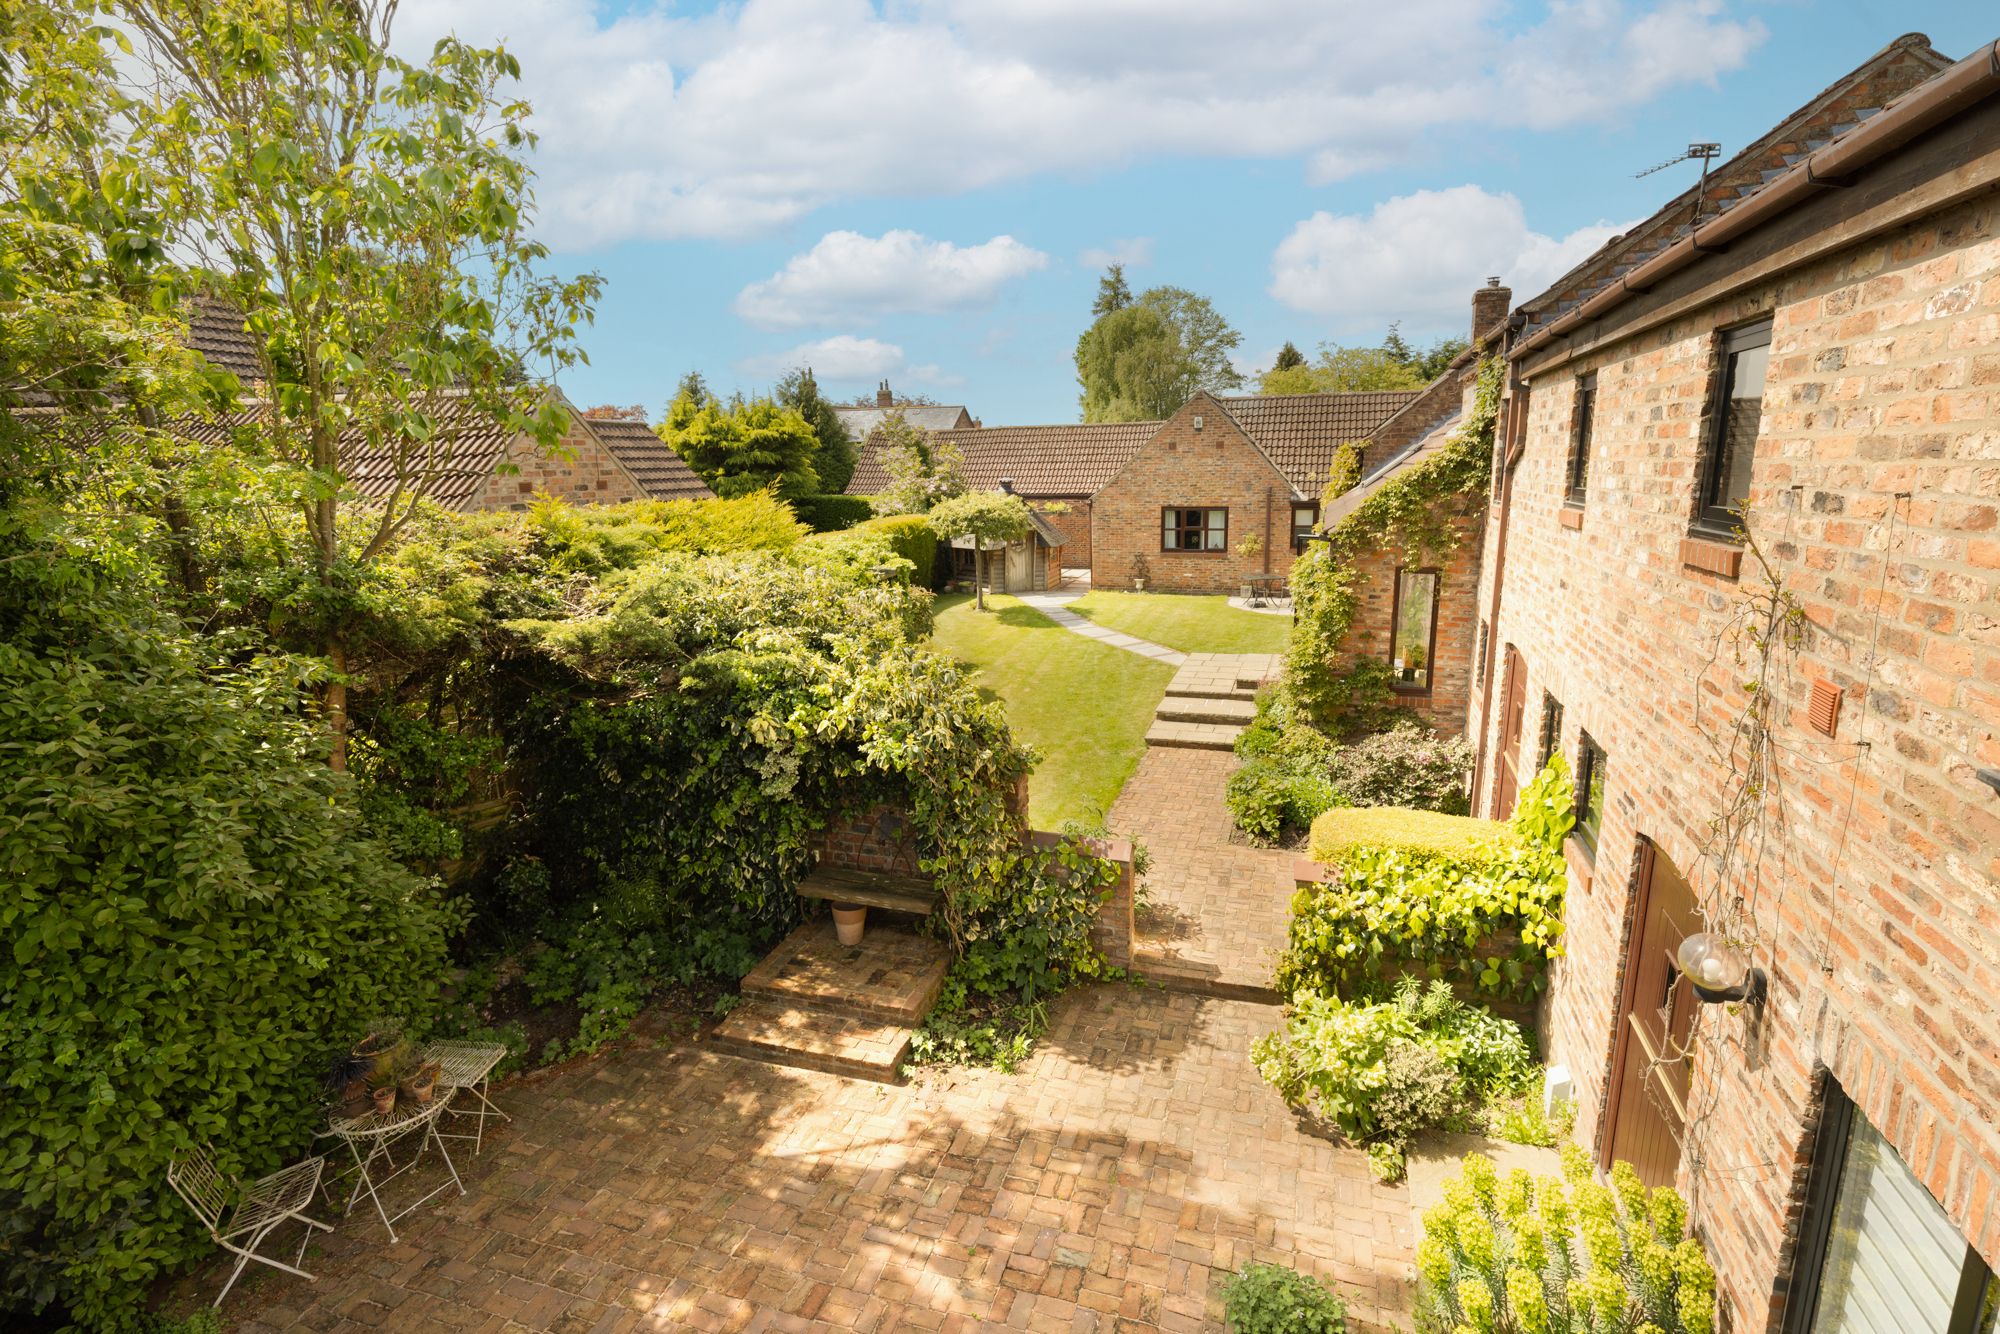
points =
(1489, 308)
(885, 399)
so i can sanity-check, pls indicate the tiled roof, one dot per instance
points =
(861, 422)
(1856, 97)
(215, 329)
(467, 451)
(1064, 460)
(1301, 431)
(648, 458)
(1351, 500)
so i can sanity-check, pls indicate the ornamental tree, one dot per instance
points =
(923, 470)
(367, 215)
(1141, 361)
(743, 446)
(833, 456)
(983, 516)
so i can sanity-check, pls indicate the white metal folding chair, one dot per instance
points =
(254, 1211)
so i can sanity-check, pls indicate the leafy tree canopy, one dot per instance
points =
(743, 446)
(833, 458)
(1112, 291)
(1289, 357)
(1141, 361)
(990, 518)
(1351, 370)
(923, 470)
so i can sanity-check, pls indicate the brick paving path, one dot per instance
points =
(1218, 910)
(1135, 1160)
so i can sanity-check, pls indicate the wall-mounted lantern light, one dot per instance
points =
(1719, 971)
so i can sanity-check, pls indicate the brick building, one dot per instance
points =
(1818, 354)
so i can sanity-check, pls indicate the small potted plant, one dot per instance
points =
(422, 1082)
(1140, 573)
(1413, 663)
(849, 921)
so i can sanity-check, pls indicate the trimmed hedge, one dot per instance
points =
(914, 539)
(1340, 831)
(830, 514)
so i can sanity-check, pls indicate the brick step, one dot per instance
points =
(770, 1029)
(1252, 684)
(1198, 979)
(1194, 709)
(1193, 736)
(892, 975)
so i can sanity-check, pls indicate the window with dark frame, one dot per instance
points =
(1552, 728)
(1479, 659)
(1413, 631)
(1579, 456)
(1732, 426)
(1591, 767)
(1876, 1251)
(1305, 516)
(1190, 529)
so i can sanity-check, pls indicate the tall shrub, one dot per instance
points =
(195, 920)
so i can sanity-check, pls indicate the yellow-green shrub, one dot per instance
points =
(1526, 1255)
(914, 539)
(1340, 831)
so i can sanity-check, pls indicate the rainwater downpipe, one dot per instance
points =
(1514, 440)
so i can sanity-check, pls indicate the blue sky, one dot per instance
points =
(927, 190)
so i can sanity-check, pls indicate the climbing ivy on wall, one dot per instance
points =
(1415, 512)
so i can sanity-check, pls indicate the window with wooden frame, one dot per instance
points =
(1579, 450)
(1731, 428)
(1413, 631)
(1591, 768)
(1552, 729)
(1876, 1251)
(1191, 529)
(1305, 516)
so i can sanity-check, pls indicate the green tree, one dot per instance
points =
(1112, 292)
(367, 214)
(983, 516)
(1289, 357)
(1142, 361)
(1342, 370)
(833, 458)
(1429, 363)
(923, 470)
(693, 386)
(744, 446)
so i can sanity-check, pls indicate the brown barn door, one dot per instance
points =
(1649, 1079)
(1513, 713)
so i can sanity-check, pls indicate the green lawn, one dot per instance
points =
(1186, 622)
(1083, 706)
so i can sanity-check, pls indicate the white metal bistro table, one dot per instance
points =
(372, 1140)
(468, 1066)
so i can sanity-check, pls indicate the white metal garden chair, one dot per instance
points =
(254, 1210)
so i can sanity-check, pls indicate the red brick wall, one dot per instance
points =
(1457, 621)
(1874, 492)
(1074, 525)
(589, 475)
(1181, 466)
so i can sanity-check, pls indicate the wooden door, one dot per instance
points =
(1513, 715)
(1656, 1012)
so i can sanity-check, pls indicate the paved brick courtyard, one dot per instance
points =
(1109, 1185)
(1218, 910)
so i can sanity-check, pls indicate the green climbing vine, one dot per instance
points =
(1416, 511)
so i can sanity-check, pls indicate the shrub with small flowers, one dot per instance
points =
(1517, 1254)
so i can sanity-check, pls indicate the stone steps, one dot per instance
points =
(1201, 709)
(1193, 736)
(767, 1029)
(851, 1010)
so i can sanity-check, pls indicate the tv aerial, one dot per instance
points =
(1703, 153)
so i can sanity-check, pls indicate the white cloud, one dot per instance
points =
(848, 276)
(846, 358)
(753, 115)
(1417, 257)
(1134, 252)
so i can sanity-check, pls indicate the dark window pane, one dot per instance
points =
(1586, 414)
(1552, 726)
(1747, 359)
(1590, 777)
(1411, 648)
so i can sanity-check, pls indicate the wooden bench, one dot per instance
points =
(872, 889)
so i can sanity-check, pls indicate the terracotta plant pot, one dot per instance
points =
(848, 922)
(385, 1100)
(423, 1085)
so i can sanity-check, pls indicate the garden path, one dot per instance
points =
(1133, 1162)
(1055, 606)
(1217, 910)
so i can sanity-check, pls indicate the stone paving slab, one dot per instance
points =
(1216, 911)
(1197, 709)
(770, 1028)
(894, 973)
(1193, 736)
(1134, 1162)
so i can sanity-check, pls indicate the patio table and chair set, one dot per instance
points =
(242, 1216)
